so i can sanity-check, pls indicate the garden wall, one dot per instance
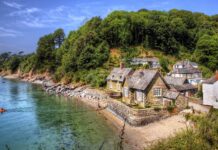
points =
(136, 117)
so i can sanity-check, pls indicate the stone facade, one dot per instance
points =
(148, 96)
(136, 117)
(114, 86)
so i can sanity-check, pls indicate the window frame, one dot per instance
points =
(157, 92)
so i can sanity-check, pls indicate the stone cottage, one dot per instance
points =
(181, 85)
(187, 69)
(175, 98)
(144, 87)
(210, 91)
(116, 78)
(152, 62)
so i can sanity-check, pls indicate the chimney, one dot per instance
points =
(216, 75)
(121, 65)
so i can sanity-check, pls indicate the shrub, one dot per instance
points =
(156, 108)
(147, 106)
(187, 116)
(170, 108)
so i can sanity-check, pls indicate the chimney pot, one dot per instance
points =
(216, 75)
(121, 65)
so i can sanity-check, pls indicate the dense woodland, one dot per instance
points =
(85, 54)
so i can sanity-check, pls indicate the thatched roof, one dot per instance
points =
(141, 79)
(119, 74)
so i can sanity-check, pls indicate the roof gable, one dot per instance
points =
(119, 74)
(171, 95)
(175, 81)
(141, 79)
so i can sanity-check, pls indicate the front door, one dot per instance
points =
(139, 96)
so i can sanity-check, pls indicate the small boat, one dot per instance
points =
(2, 110)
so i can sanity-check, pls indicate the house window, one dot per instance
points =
(157, 92)
(110, 85)
(118, 86)
(126, 92)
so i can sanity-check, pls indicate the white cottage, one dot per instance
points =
(189, 70)
(210, 91)
(153, 62)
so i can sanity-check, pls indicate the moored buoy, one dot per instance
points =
(2, 110)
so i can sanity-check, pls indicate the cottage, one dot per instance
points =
(117, 77)
(189, 70)
(144, 87)
(169, 97)
(152, 62)
(181, 85)
(176, 98)
(185, 64)
(210, 91)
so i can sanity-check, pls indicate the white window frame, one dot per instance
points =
(126, 92)
(118, 86)
(157, 92)
(110, 85)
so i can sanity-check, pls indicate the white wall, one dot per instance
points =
(208, 94)
(215, 91)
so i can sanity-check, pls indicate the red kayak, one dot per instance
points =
(2, 110)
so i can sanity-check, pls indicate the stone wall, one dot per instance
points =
(136, 117)
(181, 102)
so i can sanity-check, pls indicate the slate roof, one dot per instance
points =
(189, 70)
(184, 87)
(145, 59)
(171, 95)
(186, 63)
(119, 74)
(141, 79)
(212, 80)
(175, 81)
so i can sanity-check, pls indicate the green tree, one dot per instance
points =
(207, 51)
(59, 37)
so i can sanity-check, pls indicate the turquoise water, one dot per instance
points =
(38, 121)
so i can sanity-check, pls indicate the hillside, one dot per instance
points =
(87, 54)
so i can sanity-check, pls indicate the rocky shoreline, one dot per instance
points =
(84, 93)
